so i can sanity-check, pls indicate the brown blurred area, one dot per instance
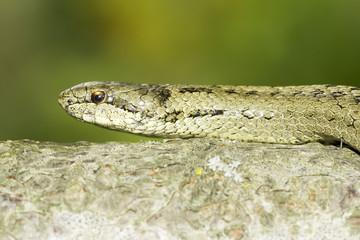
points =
(49, 46)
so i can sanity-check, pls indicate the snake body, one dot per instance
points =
(288, 115)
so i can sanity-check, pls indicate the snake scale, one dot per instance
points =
(287, 115)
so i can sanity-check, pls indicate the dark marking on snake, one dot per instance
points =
(230, 91)
(192, 90)
(163, 94)
(274, 93)
(252, 93)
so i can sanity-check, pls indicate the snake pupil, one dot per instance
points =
(98, 97)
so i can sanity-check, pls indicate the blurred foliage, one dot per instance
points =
(49, 46)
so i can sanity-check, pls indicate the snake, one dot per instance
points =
(265, 114)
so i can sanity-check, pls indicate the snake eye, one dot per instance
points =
(98, 97)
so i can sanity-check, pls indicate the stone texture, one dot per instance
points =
(178, 189)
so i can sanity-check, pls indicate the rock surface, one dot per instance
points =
(178, 189)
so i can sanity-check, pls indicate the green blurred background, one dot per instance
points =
(49, 46)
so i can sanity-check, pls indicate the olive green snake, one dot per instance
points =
(286, 115)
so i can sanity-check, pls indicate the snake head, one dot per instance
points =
(115, 105)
